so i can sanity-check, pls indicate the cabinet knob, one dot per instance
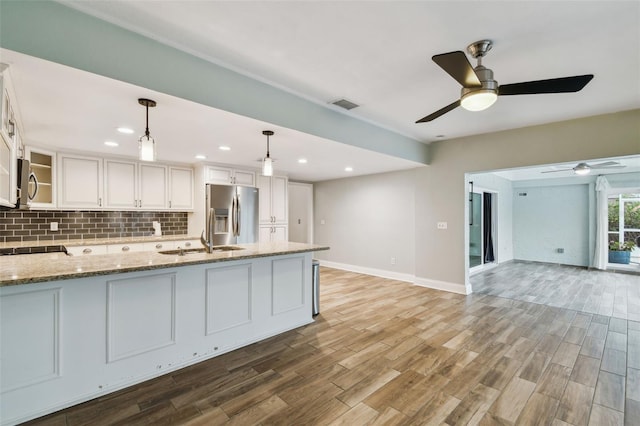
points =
(125, 248)
(87, 251)
(158, 246)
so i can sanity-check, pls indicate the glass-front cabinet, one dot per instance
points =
(43, 166)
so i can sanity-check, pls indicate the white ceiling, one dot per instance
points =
(376, 54)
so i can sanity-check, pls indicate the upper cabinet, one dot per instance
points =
(10, 142)
(225, 175)
(43, 165)
(79, 182)
(180, 188)
(7, 160)
(273, 199)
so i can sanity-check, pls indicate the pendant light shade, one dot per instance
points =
(146, 144)
(267, 162)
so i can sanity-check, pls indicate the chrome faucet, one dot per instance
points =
(208, 240)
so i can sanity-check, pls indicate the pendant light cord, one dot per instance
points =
(146, 132)
(267, 146)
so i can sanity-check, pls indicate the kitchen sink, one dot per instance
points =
(182, 252)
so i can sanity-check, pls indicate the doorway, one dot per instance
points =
(300, 212)
(482, 228)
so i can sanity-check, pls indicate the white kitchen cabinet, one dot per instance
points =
(152, 186)
(125, 248)
(87, 250)
(273, 200)
(7, 173)
(131, 185)
(273, 233)
(43, 165)
(226, 175)
(79, 182)
(180, 188)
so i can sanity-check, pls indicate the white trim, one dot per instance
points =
(422, 282)
(369, 271)
(442, 285)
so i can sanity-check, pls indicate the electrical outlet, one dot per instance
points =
(393, 260)
(560, 250)
(442, 225)
(53, 226)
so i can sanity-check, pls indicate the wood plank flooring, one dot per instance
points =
(591, 291)
(385, 352)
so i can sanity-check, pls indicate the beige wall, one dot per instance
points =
(441, 187)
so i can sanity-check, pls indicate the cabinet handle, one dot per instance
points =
(158, 246)
(169, 203)
(187, 244)
(125, 248)
(100, 202)
(87, 251)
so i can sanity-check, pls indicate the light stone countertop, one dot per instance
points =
(43, 267)
(99, 241)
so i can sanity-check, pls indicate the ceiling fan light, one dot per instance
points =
(582, 169)
(478, 100)
(147, 148)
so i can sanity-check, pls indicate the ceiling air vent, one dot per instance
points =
(343, 103)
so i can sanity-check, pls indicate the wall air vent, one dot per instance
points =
(343, 103)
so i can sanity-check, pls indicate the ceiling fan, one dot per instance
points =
(585, 169)
(480, 90)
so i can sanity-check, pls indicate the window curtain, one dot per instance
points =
(601, 251)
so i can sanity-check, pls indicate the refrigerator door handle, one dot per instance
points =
(237, 218)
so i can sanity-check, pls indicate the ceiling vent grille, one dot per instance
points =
(343, 103)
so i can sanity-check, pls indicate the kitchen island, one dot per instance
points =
(76, 327)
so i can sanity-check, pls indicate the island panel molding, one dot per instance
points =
(30, 347)
(288, 287)
(228, 297)
(141, 315)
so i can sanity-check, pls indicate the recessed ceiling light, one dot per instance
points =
(201, 157)
(302, 160)
(111, 143)
(125, 130)
(348, 169)
(224, 148)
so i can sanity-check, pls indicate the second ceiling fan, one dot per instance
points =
(480, 90)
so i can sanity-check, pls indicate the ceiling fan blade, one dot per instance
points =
(605, 165)
(553, 85)
(457, 66)
(441, 111)
(554, 171)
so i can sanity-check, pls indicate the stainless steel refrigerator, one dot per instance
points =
(231, 214)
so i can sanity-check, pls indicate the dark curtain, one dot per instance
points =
(487, 200)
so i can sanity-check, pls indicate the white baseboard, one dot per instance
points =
(368, 271)
(423, 282)
(441, 285)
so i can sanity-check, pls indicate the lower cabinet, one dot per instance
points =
(273, 233)
(65, 342)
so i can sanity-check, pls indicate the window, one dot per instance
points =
(624, 219)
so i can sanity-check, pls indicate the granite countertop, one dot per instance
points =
(99, 241)
(43, 267)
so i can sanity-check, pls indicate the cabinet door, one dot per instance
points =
(153, 186)
(80, 182)
(279, 206)
(265, 234)
(218, 175)
(242, 177)
(43, 165)
(120, 184)
(264, 199)
(279, 233)
(180, 189)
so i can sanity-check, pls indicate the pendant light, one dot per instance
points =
(146, 144)
(267, 163)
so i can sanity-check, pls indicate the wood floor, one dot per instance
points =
(590, 291)
(385, 352)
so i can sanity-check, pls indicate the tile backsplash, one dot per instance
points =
(34, 225)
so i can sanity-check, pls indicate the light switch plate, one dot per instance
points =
(53, 226)
(442, 225)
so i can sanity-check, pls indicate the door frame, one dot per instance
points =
(484, 266)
